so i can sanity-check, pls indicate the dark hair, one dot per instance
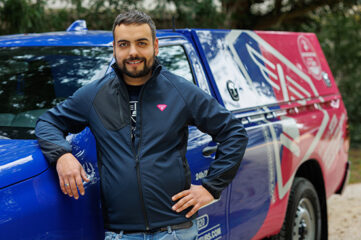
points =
(134, 17)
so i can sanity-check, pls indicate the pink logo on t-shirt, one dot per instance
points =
(161, 107)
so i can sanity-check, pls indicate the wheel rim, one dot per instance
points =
(304, 226)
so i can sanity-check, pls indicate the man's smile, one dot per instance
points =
(134, 62)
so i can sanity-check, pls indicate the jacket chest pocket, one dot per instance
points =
(112, 111)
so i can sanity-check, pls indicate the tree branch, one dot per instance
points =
(272, 18)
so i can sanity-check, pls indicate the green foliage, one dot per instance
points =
(355, 159)
(187, 14)
(26, 16)
(100, 14)
(339, 33)
(20, 16)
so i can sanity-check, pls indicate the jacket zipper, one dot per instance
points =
(141, 194)
(136, 155)
(137, 161)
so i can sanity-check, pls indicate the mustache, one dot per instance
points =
(134, 59)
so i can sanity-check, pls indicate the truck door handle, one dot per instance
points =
(209, 150)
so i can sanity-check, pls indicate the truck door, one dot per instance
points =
(243, 90)
(180, 57)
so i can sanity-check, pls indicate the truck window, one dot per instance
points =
(175, 60)
(34, 79)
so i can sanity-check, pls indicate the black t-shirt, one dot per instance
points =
(133, 92)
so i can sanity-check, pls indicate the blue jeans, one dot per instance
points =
(181, 234)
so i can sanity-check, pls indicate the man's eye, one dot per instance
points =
(123, 44)
(142, 44)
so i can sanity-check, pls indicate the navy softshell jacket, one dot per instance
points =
(137, 182)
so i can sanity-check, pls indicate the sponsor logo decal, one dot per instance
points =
(309, 57)
(233, 92)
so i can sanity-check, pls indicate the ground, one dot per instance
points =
(344, 214)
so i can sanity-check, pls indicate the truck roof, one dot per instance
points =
(71, 38)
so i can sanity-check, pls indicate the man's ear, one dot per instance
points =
(156, 46)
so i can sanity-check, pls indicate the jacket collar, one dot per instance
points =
(157, 67)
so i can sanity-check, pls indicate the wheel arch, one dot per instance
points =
(311, 170)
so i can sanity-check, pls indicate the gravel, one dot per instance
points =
(344, 214)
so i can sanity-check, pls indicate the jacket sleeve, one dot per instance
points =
(69, 116)
(228, 131)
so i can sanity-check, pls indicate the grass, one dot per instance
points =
(354, 157)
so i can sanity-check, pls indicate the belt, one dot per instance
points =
(161, 229)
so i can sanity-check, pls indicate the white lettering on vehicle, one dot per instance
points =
(309, 57)
(202, 222)
(213, 233)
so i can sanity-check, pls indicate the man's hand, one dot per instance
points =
(71, 174)
(197, 196)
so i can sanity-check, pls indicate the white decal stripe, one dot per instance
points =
(329, 150)
(289, 126)
(302, 102)
(334, 147)
(230, 39)
(282, 189)
(79, 154)
(283, 82)
(262, 67)
(298, 86)
(253, 53)
(291, 145)
(294, 91)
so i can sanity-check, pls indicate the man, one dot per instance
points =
(139, 115)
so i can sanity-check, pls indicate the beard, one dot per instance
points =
(136, 74)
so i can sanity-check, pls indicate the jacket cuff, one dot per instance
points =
(57, 155)
(215, 193)
(51, 151)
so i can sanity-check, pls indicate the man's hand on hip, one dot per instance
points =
(197, 196)
(71, 174)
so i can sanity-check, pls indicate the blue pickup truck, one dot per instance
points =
(279, 84)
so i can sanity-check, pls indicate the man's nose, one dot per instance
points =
(133, 50)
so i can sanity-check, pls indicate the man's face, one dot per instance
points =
(134, 50)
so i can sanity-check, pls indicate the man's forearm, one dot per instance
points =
(51, 141)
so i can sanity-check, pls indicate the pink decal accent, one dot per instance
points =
(161, 107)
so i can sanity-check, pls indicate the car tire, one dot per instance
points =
(303, 217)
